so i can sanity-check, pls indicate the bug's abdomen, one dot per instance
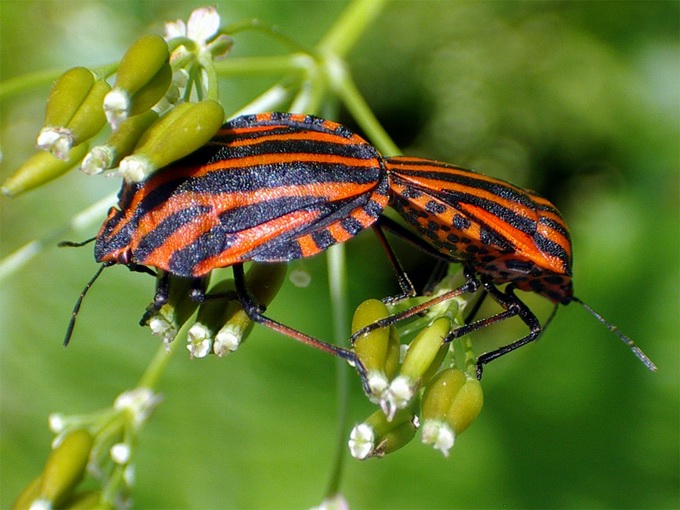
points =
(503, 232)
(270, 187)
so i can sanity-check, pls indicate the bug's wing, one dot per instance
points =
(267, 191)
(472, 217)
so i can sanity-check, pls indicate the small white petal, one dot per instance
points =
(174, 29)
(41, 504)
(120, 453)
(136, 168)
(227, 340)
(99, 158)
(335, 502)
(361, 441)
(116, 106)
(439, 435)
(203, 24)
(199, 341)
(56, 422)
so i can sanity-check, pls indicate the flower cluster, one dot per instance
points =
(98, 446)
(161, 107)
(411, 381)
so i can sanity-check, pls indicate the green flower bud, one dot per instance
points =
(425, 348)
(212, 315)
(86, 122)
(40, 169)
(119, 144)
(263, 281)
(378, 436)
(372, 348)
(393, 355)
(451, 402)
(66, 96)
(139, 66)
(168, 320)
(87, 500)
(152, 92)
(423, 358)
(30, 493)
(181, 131)
(65, 466)
(466, 406)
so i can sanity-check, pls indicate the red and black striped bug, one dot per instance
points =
(501, 234)
(267, 188)
(275, 187)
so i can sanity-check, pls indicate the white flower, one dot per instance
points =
(202, 25)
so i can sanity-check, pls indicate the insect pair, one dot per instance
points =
(275, 187)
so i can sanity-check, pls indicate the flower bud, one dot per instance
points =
(65, 466)
(119, 144)
(86, 121)
(139, 66)
(41, 168)
(181, 131)
(372, 348)
(451, 402)
(263, 281)
(378, 436)
(168, 320)
(423, 358)
(212, 314)
(86, 500)
(424, 351)
(30, 493)
(152, 92)
(66, 96)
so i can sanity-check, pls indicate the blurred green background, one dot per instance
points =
(578, 100)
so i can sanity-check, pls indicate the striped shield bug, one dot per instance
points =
(275, 187)
(267, 188)
(501, 234)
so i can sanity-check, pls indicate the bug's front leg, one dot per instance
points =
(159, 299)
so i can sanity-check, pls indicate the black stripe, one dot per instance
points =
(166, 228)
(323, 239)
(207, 245)
(252, 215)
(498, 187)
(454, 198)
(291, 146)
(234, 180)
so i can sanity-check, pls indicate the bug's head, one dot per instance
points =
(112, 245)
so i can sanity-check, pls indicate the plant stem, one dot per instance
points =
(349, 94)
(351, 25)
(337, 281)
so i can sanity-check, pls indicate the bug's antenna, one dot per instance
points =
(71, 244)
(636, 350)
(76, 309)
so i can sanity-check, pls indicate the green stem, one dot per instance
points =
(266, 28)
(157, 365)
(264, 65)
(351, 25)
(349, 94)
(337, 281)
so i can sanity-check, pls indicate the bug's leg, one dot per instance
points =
(471, 285)
(159, 298)
(513, 307)
(255, 313)
(407, 288)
